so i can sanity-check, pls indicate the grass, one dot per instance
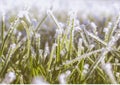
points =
(70, 52)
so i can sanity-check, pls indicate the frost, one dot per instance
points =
(91, 46)
(109, 25)
(106, 30)
(68, 72)
(12, 46)
(19, 34)
(59, 31)
(93, 25)
(21, 14)
(77, 28)
(46, 51)
(117, 74)
(37, 35)
(63, 52)
(24, 13)
(9, 78)
(108, 69)
(108, 66)
(86, 66)
(72, 14)
(85, 72)
(61, 24)
(38, 80)
(62, 78)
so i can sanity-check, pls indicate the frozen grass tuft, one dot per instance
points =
(60, 48)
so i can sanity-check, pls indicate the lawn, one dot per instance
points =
(60, 46)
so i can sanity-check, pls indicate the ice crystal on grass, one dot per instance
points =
(108, 69)
(60, 46)
(12, 46)
(38, 80)
(37, 35)
(63, 77)
(58, 32)
(46, 50)
(93, 26)
(106, 30)
(9, 78)
(86, 66)
(117, 74)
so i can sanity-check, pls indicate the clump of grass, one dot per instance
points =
(74, 53)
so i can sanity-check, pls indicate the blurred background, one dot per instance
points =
(88, 6)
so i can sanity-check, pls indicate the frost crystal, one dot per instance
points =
(93, 25)
(117, 74)
(63, 52)
(68, 72)
(108, 69)
(46, 51)
(62, 79)
(13, 46)
(59, 31)
(108, 66)
(39, 80)
(37, 35)
(106, 30)
(78, 28)
(86, 66)
(9, 77)
(24, 13)
(61, 24)
(21, 14)
(19, 34)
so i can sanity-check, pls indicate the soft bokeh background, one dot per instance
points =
(92, 6)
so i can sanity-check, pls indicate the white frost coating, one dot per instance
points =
(21, 14)
(117, 74)
(37, 35)
(12, 46)
(93, 25)
(106, 30)
(40, 52)
(59, 31)
(77, 22)
(62, 79)
(77, 28)
(61, 24)
(108, 66)
(46, 51)
(80, 40)
(116, 60)
(19, 33)
(91, 46)
(24, 13)
(108, 69)
(110, 25)
(72, 14)
(38, 80)
(68, 72)
(9, 78)
(84, 72)
(63, 52)
(86, 66)
(34, 22)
